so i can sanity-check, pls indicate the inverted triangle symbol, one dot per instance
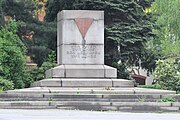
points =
(83, 25)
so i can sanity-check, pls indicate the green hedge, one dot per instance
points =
(6, 84)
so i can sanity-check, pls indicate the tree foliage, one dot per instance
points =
(168, 31)
(39, 37)
(12, 57)
(167, 74)
(6, 84)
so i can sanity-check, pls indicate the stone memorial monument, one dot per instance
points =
(81, 80)
(80, 52)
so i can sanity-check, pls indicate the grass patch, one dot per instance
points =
(155, 86)
(167, 100)
(1, 90)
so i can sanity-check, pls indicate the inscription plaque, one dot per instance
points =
(82, 54)
(83, 51)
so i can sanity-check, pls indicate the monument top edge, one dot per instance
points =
(73, 14)
(82, 10)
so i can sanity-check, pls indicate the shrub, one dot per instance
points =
(12, 57)
(39, 73)
(122, 71)
(167, 74)
(6, 84)
(155, 86)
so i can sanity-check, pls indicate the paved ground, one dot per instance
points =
(82, 115)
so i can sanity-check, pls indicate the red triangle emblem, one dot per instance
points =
(83, 25)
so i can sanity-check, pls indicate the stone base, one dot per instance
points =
(82, 71)
(76, 82)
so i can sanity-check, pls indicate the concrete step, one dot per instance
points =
(90, 98)
(120, 106)
(76, 82)
(87, 90)
(93, 105)
(85, 97)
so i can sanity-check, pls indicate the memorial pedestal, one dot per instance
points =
(80, 56)
(82, 71)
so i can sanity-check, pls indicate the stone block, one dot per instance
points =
(81, 54)
(4, 104)
(47, 83)
(71, 14)
(113, 91)
(156, 104)
(152, 91)
(48, 74)
(109, 108)
(70, 91)
(175, 96)
(125, 108)
(122, 83)
(78, 103)
(86, 83)
(80, 37)
(84, 71)
(132, 96)
(170, 108)
(29, 103)
(50, 83)
(176, 104)
(69, 34)
(28, 91)
(110, 72)
(81, 71)
(71, 96)
(58, 71)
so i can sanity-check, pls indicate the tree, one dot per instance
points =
(168, 19)
(166, 74)
(12, 57)
(39, 37)
(127, 26)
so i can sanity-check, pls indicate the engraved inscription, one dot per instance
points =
(78, 52)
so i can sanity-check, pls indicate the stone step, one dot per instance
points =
(76, 82)
(107, 96)
(59, 96)
(38, 91)
(79, 99)
(93, 105)
(121, 106)
(27, 107)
